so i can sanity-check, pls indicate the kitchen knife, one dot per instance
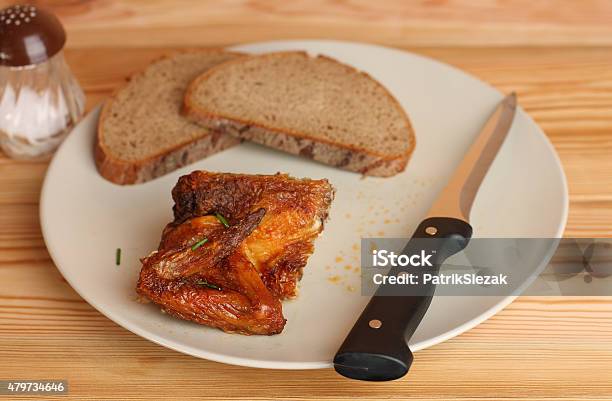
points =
(376, 348)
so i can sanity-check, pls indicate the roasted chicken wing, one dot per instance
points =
(236, 248)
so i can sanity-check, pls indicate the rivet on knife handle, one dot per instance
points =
(376, 349)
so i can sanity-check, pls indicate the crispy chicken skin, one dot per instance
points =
(237, 278)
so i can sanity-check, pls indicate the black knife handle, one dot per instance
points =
(376, 348)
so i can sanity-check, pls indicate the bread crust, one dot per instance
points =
(126, 172)
(346, 156)
(329, 153)
(136, 172)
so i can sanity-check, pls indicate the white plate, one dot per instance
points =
(85, 218)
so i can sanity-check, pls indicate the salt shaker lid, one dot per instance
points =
(29, 35)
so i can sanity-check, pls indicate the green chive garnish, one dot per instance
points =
(207, 284)
(199, 244)
(222, 219)
(118, 256)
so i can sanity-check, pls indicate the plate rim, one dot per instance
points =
(293, 365)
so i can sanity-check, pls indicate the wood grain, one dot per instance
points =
(393, 22)
(556, 55)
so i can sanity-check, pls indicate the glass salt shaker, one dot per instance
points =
(40, 100)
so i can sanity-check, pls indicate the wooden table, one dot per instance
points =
(556, 55)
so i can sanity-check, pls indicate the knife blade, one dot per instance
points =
(376, 347)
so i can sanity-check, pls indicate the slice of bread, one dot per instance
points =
(312, 106)
(141, 132)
